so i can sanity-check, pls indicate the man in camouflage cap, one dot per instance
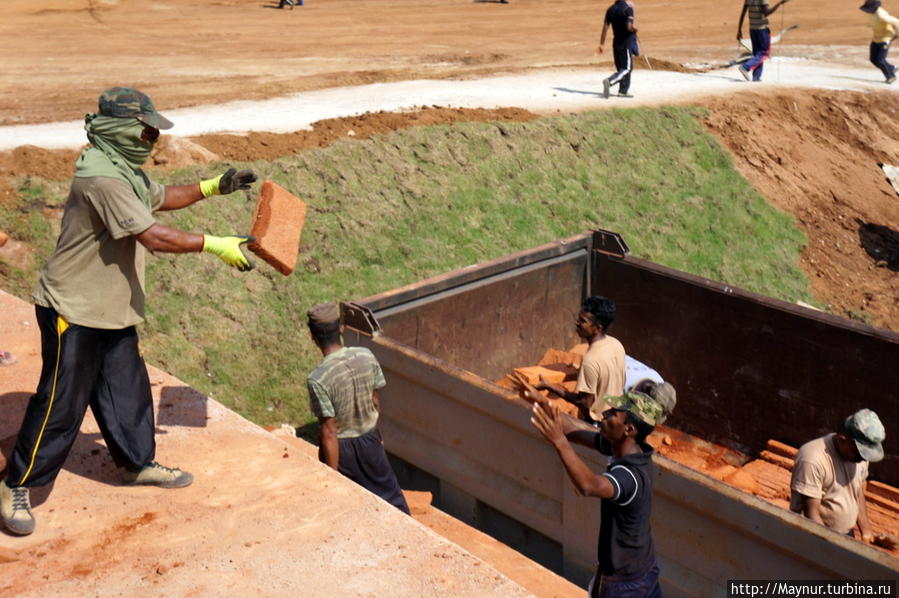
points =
(90, 297)
(627, 565)
(830, 474)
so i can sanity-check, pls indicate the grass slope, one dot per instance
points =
(394, 209)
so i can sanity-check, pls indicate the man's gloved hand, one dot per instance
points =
(233, 180)
(230, 249)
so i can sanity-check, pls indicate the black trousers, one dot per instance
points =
(879, 59)
(84, 367)
(364, 461)
(624, 62)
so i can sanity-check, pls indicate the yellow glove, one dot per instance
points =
(233, 180)
(230, 249)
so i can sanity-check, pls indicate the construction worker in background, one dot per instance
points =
(602, 369)
(627, 566)
(343, 395)
(885, 28)
(830, 473)
(620, 16)
(759, 34)
(90, 296)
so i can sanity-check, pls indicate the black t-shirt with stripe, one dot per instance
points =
(625, 534)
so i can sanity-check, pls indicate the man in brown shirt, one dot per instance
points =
(602, 369)
(830, 473)
(90, 296)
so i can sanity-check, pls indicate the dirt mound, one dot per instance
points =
(267, 146)
(816, 155)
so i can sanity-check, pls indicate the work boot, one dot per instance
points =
(606, 88)
(15, 508)
(154, 474)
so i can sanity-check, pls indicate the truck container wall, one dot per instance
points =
(747, 368)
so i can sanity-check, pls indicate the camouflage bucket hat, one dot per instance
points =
(641, 405)
(865, 429)
(125, 102)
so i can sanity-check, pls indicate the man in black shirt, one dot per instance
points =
(627, 565)
(624, 45)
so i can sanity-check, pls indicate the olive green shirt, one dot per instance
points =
(95, 276)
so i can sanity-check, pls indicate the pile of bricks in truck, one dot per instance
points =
(766, 476)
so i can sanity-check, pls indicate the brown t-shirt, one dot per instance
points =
(820, 472)
(95, 276)
(602, 373)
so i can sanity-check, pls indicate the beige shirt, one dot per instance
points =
(820, 472)
(602, 373)
(95, 276)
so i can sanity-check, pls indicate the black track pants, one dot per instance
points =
(84, 367)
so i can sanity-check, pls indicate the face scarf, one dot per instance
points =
(118, 152)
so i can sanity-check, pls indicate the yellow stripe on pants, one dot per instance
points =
(61, 327)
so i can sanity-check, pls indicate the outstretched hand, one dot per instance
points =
(526, 390)
(548, 420)
(235, 180)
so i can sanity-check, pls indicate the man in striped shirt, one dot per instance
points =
(759, 33)
(343, 395)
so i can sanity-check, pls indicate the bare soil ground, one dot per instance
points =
(189, 52)
(812, 154)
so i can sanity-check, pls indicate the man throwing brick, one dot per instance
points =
(90, 297)
(343, 394)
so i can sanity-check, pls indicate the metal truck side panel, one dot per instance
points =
(748, 367)
(740, 362)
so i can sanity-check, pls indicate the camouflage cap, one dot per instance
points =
(642, 405)
(323, 313)
(125, 102)
(865, 429)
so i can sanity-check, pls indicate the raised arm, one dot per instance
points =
(549, 422)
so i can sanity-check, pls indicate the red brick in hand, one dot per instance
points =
(277, 225)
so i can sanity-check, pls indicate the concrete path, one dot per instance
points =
(542, 91)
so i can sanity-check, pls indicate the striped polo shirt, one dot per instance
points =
(757, 17)
(341, 387)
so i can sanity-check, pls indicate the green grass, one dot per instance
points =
(394, 209)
